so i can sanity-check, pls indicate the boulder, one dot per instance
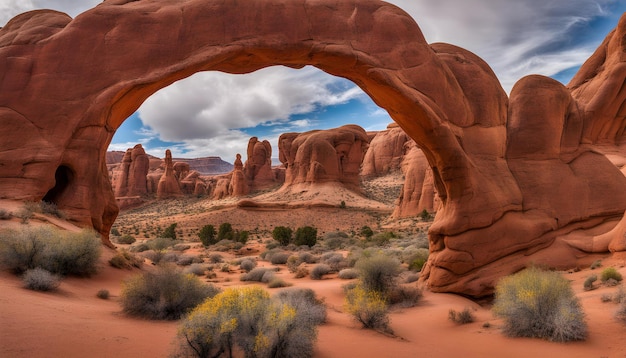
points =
(385, 153)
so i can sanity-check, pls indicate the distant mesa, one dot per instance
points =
(515, 174)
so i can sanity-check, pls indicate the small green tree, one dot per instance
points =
(170, 232)
(305, 235)
(282, 234)
(225, 232)
(367, 232)
(207, 235)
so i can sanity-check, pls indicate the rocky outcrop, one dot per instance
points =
(168, 186)
(132, 180)
(328, 156)
(385, 153)
(419, 192)
(513, 175)
(238, 185)
(258, 167)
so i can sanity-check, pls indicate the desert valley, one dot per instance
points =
(478, 224)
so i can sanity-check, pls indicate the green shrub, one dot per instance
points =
(170, 232)
(247, 319)
(57, 251)
(596, 264)
(367, 232)
(425, 215)
(368, 308)
(103, 294)
(207, 235)
(115, 232)
(318, 272)
(588, 285)
(282, 234)
(126, 260)
(378, 272)
(39, 279)
(166, 293)
(225, 232)
(126, 239)
(535, 303)
(464, 317)
(610, 273)
(305, 235)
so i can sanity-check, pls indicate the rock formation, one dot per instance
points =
(238, 185)
(134, 170)
(505, 169)
(333, 155)
(258, 167)
(385, 152)
(168, 186)
(419, 192)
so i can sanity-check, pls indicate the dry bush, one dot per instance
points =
(5, 214)
(368, 307)
(247, 264)
(57, 251)
(301, 272)
(348, 274)
(126, 239)
(103, 294)
(216, 258)
(588, 284)
(404, 296)
(464, 317)
(279, 258)
(277, 282)
(166, 293)
(318, 272)
(126, 260)
(248, 320)
(378, 272)
(255, 274)
(335, 260)
(535, 303)
(196, 269)
(39, 279)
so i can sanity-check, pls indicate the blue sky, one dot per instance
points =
(213, 113)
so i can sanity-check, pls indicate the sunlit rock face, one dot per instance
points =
(514, 175)
(323, 156)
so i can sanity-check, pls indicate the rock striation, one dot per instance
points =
(505, 168)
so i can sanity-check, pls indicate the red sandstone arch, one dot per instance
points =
(67, 85)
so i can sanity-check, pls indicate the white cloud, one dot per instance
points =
(209, 103)
(11, 8)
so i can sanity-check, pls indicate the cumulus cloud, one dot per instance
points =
(210, 103)
(516, 38)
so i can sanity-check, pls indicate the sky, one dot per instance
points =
(215, 114)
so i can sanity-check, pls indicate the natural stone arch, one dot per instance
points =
(69, 84)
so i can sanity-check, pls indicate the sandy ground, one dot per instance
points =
(73, 322)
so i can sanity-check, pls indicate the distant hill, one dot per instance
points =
(205, 165)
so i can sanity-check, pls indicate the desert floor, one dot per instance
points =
(73, 322)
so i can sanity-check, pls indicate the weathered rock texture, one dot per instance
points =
(134, 170)
(512, 175)
(385, 153)
(419, 192)
(258, 167)
(168, 186)
(333, 155)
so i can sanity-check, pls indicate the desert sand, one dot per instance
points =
(73, 322)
